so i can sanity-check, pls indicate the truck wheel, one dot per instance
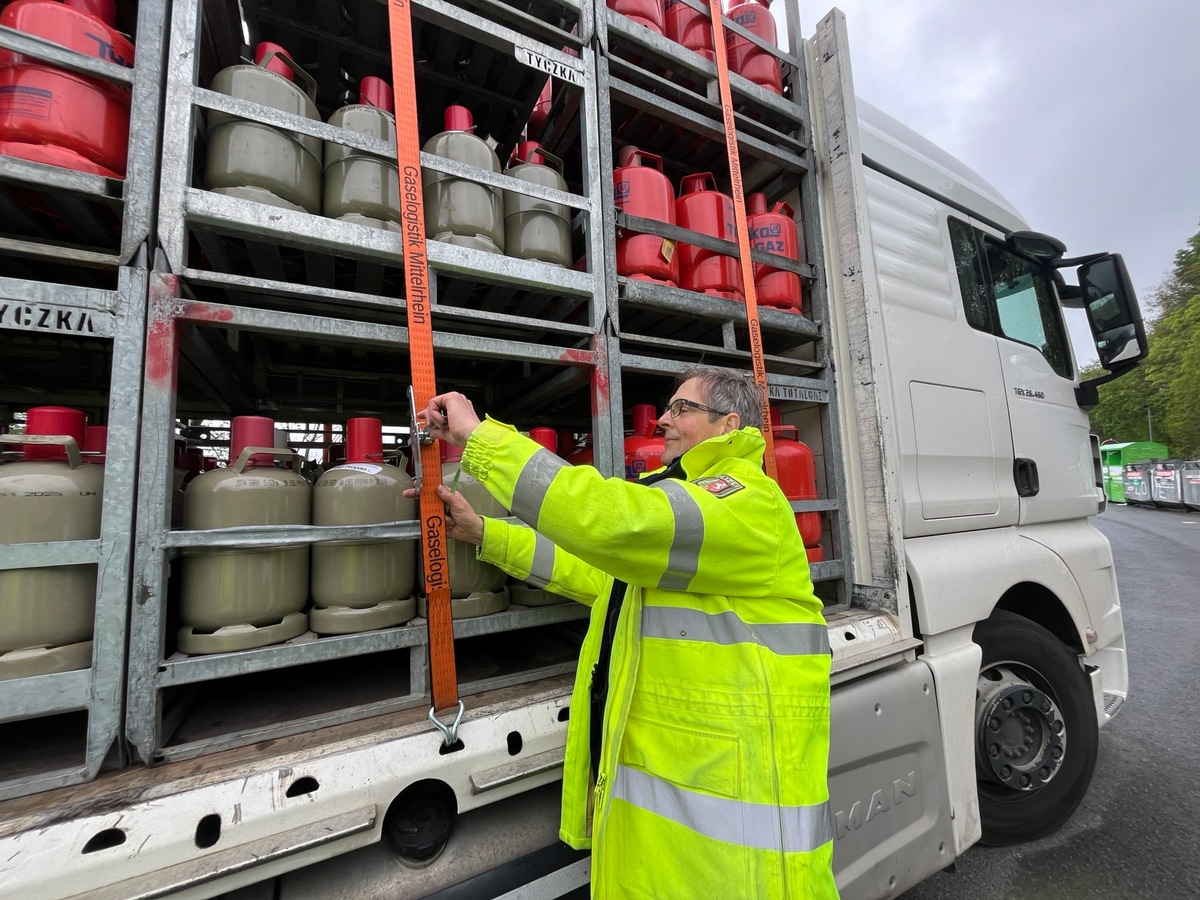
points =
(1036, 735)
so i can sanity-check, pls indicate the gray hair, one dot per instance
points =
(729, 391)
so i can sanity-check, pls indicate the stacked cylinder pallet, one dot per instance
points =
(77, 78)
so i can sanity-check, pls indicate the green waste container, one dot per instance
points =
(1115, 457)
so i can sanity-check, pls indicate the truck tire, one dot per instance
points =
(1036, 736)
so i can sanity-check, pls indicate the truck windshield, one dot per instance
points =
(1008, 295)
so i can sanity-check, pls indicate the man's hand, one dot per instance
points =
(462, 523)
(450, 417)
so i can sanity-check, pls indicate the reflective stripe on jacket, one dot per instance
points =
(713, 776)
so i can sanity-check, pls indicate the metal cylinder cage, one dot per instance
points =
(164, 309)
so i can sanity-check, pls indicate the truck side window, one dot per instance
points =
(971, 277)
(1008, 295)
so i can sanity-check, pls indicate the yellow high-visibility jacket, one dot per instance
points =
(712, 780)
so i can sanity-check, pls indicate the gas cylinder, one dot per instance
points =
(547, 437)
(701, 207)
(53, 116)
(235, 599)
(183, 471)
(797, 475)
(541, 110)
(362, 585)
(521, 594)
(641, 189)
(774, 231)
(256, 161)
(566, 443)
(643, 450)
(815, 553)
(582, 454)
(49, 494)
(476, 588)
(689, 27)
(537, 229)
(458, 210)
(95, 444)
(752, 62)
(360, 186)
(645, 12)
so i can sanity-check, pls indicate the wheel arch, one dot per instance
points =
(1040, 605)
(983, 571)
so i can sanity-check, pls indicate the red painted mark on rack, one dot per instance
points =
(203, 312)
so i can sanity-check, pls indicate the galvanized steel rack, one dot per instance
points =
(174, 700)
(59, 728)
(660, 96)
(67, 217)
(73, 250)
(256, 308)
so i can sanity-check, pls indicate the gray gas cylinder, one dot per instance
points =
(458, 210)
(537, 229)
(48, 494)
(235, 599)
(362, 585)
(476, 588)
(256, 161)
(360, 186)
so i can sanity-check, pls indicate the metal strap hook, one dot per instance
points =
(449, 732)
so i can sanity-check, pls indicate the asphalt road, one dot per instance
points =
(1137, 833)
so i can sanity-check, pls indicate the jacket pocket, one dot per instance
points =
(700, 760)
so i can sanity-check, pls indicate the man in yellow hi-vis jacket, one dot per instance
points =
(698, 744)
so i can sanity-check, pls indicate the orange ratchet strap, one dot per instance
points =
(743, 230)
(424, 384)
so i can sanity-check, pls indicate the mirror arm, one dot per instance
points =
(1086, 395)
(1076, 261)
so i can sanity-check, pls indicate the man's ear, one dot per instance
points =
(732, 422)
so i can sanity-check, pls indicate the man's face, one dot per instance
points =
(683, 432)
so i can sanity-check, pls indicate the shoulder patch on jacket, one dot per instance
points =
(719, 485)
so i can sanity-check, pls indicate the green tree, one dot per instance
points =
(1121, 412)
(1184, 282)
(1175, 354)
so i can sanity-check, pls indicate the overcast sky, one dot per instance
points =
(1084, 114)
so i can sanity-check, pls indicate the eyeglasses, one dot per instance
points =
(678, 407)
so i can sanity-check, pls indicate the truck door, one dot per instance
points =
(952, 422)
(1052, 464)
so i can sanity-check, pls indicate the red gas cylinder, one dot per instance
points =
(797, 475)
(774, 231)
(750, 61)
(689, 27)
(815, 553)
(46, 420)
(53, 116)
(546, 437)
(95, 443)
(641, 189)
(643, 451)
(566, 443)
(582, 454)
(541, 111)
(644, 12)
(701, 207)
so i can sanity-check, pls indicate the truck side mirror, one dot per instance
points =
(1112, 312)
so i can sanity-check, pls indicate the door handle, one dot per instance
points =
(1025, 475)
